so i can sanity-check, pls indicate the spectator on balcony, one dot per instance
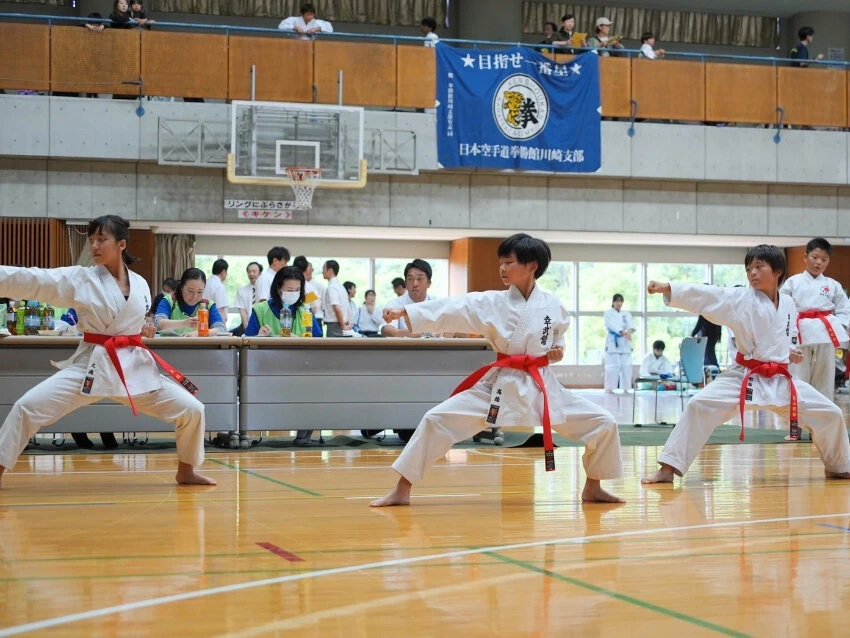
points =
(567, 38)
(647, 47)
(306, 25)
(95, 27)
(429, 28)
(602, 40)
(137, 13)
(550, 31)
(399, 286)
(801, 49)
(120, 16)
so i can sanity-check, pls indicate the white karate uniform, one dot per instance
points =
(653, 366)
(101, 309)
(762, 333)
(825, 294)
(618, 352)
(289, 24)
(513, 326)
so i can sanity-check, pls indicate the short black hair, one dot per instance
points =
(819, 242)
(617, 297)
(527, 249)
(287, 272)
(333, 264)
(301, 263)
(219, 266)
(369, 292)
(278, 252)
(348, 285)
(658, 345)
(648, 35)
(554, 26)
(171, 282)
(430, 23)
(254, 263)
(773, 256)
(307, 7)
(420, 264)
(398, 281)
(567, 16)
(805, 32)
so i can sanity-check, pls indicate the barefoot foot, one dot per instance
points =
(836, 475)
(593, 493)
(664, 475)
(186, 475)
(400, 495)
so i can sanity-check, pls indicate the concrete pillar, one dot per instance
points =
(490, 20)
(832, 30)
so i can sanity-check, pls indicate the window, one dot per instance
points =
(599, 282)
(692, 273)
(729, 275)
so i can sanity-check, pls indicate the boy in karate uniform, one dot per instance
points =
(823, 314)
(764, 323)
(526, 327)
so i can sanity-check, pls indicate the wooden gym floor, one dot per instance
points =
(753, 542)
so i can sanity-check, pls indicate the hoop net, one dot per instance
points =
(303, 181)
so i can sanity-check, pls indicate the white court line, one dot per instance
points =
(363, 498)
(336, 571)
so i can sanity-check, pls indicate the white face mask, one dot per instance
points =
(289, 298)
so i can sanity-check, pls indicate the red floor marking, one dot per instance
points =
(274, 549)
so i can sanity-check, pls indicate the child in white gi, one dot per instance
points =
(111, 302)
(655, 364)
(618, 346)
(764, 323)
(526, 327)
(823, 314)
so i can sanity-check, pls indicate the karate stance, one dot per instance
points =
(526, 327)
(764, 323)
(111, 362)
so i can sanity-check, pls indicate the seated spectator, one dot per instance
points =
(95, 27)
(602, 39)
(368, 319)
(567, 38)
(306, 25)
(137, 13)
(351, 289)
(429, 28)
(288, 287)
(647, 47)
(801, 50)
(655, 364)
(120, 16)
(178, 313)
(417, 276)
(399, 287)
(169, 285)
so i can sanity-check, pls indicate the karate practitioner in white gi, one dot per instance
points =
(110, 301)
(823, 316)
(619, 327)
(522, 323)
(764, 323)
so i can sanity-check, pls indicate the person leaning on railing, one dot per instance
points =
(307, 25)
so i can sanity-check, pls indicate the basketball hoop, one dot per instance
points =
(303, 181)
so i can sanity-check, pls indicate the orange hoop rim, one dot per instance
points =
(300, 173)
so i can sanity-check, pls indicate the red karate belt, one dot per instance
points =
(768, 369)
(532, 366)
(817, 314)
(113, 342)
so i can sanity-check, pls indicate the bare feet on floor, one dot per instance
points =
(186, 475)
(593, 493)
(399, 495)
(836, 475)
(663, 475)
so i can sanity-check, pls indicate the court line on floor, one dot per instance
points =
(670, 613)
(397, 562)
(265, 478)
(366, 498)
(838, 527)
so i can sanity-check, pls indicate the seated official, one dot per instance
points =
(178, 313)
(287, 289)
(655, 364)
(368, 318)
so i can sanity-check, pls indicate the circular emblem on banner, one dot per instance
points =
(520, 107)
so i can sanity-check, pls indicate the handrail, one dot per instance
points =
(49, 19)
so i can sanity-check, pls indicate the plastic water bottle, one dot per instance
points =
(203, 321)
(285, 322)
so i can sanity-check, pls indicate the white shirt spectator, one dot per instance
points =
(264, 284)
(647, 51)
(399, 302)
(289, 24)
(431, 40)
(319, 289)
(335, 295)
(217, 293)
(368, 321)
(246, 297)
(352, 309)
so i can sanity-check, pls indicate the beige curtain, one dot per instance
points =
(668, 26)
(78, 245)
(389, 12)
(174, 254)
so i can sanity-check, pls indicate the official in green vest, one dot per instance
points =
(178, 313)
(287, 288)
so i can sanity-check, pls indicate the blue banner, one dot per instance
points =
(517, 109)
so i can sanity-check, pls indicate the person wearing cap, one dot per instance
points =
(602, 38)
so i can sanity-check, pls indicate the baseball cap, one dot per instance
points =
(603, 22)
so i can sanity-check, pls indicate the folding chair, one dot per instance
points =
(691, 368)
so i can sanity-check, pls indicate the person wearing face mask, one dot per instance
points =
(287, 288)
(178, 313)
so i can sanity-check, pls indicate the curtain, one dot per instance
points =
(78, 245)
(174, 254)
(688, 27)
(53, 3)
(390, 12)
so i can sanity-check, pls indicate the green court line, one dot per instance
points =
(265, 478)
(704, 624)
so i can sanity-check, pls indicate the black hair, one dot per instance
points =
(805, 32)
(646, 36)
(348, 285)
(301, 263)
(116, 226)
(554, 26)
(219, 266)
(254, 263)
(279, 253)
(819, 242)
(115, 6)
(368, 292)
(419, 264)
(430, 23)
(171, 282)
(773, 256)
(307, 8)
(527, 249)
(190, 274)
(95, 15)
(398, 281)
(567, 16)
(658, 345)
(333, 264)
(287, 272)
(616, 298)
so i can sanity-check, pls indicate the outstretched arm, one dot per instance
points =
(54, 286)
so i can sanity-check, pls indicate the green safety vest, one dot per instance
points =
(178, 315)
(266, 317)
